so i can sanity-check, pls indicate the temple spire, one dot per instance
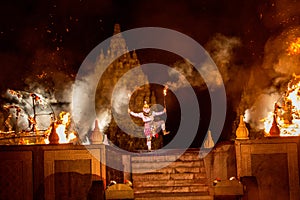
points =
(117, 29)
(117, 42)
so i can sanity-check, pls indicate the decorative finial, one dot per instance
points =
(117, 29)
(274, 131)
(96, 136)
(53, 137)
(209, 142)
(242, 131)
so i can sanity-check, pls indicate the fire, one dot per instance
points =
(286, 111)
(165, 90)
(61, 128)
(294, 47)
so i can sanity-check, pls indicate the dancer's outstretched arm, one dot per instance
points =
(140, 114)
(159, 113)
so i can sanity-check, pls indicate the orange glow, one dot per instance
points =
(294, 47)
(286, 111)
(42, 75)
(61, 127)
(165, 90)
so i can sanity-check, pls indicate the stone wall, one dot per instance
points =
(274, 162)
(62, 171)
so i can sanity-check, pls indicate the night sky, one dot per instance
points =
(59, 34)
(49, 38)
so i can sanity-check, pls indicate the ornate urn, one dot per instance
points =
(242, 131)
(53, 137)
(274, 131)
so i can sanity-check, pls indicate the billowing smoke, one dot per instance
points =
(221, 49)
(84, 91)
(50, 76)
(120, 99)
(184, 71)
(50, 81)
(21, 109)
(259, 110)
(81, 108)
(268, 83)
(105, 118)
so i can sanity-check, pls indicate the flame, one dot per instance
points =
(61, 127)
(294, 47)
(286, 111)
(165, 90)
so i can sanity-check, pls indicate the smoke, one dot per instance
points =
(120, 99)
(221, 49)
(55, 86)
(183, 71)
(268, 82)
(49, 78)
(86, 86)
(262, 106)
(81, 106)
(105, 118)
(277, 56)
(21, 109)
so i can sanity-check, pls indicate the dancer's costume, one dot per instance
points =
(151, 127)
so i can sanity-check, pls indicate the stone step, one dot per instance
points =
(187, 156)
(167, 158)
(170, 177)
(179, 176)
(160, 165)
(177, 196)
(168, 183)
(174, 170)
(172, 189)
(168, 170)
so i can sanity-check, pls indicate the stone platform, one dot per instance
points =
(270, 167)
(63, 171)
(274, 162)
(172, 178)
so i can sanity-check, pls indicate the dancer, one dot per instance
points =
(151, 127)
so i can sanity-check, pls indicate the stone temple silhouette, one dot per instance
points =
(107, 85)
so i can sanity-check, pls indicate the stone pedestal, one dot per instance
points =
(274, 163)
(63, 171)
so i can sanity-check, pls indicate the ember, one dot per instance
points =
(294, 47)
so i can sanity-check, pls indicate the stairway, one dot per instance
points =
(184, 178)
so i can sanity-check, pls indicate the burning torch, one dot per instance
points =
(165, 94)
